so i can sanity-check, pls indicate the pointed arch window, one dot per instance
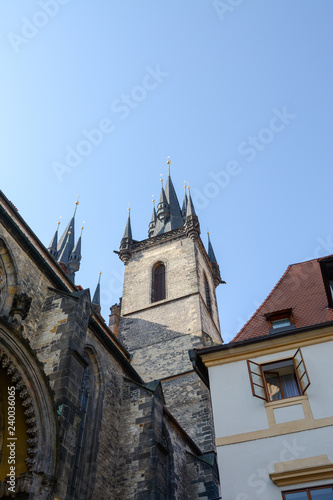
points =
(207, 293)
(158, 284)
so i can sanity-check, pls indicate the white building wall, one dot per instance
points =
(245, 467)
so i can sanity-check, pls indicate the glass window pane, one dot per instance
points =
(273, 387)
(279, 323)
(299, 495)
(322, 494)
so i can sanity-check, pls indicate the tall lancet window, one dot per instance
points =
(158, 285)
(207, 292)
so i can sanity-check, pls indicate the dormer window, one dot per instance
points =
(280, 321)
(326, 265)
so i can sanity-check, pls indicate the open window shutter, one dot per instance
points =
(257, 380)
(301, 372)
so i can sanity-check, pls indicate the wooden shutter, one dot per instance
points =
(257, 380)
(301, 371)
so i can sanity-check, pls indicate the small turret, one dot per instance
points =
(213, 261)
(163, 209)
(127, 241)
(75, 258)
(96, 301)
(152, 222)
(52, 248)
(192, 222)
(184, 207)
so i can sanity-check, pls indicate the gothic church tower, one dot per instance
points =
(169, 307)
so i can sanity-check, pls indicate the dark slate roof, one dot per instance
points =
(153, 215)
(54, 242)
(77, 249)
(184, 207)
(128, 229)
(66, 243)
(176, 219)
(300, 289)
(190, 207)
(211, 254)
(97, 295)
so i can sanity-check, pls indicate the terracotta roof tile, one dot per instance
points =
(300, 288)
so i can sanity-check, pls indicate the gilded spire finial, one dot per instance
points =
(76, 205)
(82, 227)
(161, 175)
(153, 200)
(168, 163)
(100, 274)
(58, 223)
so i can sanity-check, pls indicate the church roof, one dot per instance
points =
(211, 254)
(175, 218)
(66, 243)
(128, 229)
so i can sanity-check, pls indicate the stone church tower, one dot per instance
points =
(169, 307)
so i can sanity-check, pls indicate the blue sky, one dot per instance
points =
(238, 93)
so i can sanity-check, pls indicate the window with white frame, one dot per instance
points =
(281, 379)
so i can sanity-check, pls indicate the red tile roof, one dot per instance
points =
(300, 288)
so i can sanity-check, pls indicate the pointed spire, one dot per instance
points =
(215, 267)
(190, 207)
(52, 248)
(66, 243)
(211, 254)
(97, 295)
(127, 241)
(163, 211)
(152, 223)
(67, 240)
(191, 222)
(184, 207)
(128, 229)
(176, 218)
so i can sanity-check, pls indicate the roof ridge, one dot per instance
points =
(264, 302)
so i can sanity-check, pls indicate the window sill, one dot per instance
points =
(285, 402)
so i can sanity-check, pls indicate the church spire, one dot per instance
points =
(192, 222)
(184, 207)
(211, 254)
(67, 240)
(52, 248)
(176, 219)
(152, 222)
(75, 258)
(215, 267)
(127, 241)
(96, 301)
(163, 210)
(128, 229)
